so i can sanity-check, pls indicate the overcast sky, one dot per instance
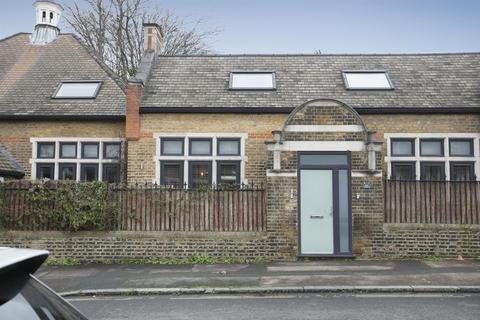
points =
(302, 26)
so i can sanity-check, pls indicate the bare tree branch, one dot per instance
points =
(113, 30)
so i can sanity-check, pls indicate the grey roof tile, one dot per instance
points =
(9, 165)
(420, 80)
(29, 75)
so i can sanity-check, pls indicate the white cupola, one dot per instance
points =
(47, 13)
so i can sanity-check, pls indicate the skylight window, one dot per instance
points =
(367, 80)
(252, 80)
(77, 90)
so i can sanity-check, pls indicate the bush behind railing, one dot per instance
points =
(56, 205)
(96, 206)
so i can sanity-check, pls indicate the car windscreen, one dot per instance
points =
(37, 301)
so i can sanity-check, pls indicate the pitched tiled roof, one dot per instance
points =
(9, 165)
(29, 75)
(420, 81)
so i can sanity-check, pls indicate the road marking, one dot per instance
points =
(225, 297)
(113, 298)
(218, 268)
(327, 268)
(409, 295)
(449, 264)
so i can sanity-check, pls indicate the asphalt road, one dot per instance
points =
(313, 306)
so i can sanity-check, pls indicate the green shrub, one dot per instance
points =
(66, 206)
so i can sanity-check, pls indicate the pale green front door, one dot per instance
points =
(316, 212)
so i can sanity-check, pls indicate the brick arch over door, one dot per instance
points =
(324, 112)
(324, 126)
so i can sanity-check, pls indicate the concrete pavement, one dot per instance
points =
(352, 276)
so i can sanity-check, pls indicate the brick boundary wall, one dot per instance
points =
(423, 240)
(104, 246)
(394, 241)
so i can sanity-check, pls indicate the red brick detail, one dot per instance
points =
(148, 135)
(378, 136)
(132, 121)
(14, 139)
(260, 135)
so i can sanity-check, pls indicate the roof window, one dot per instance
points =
(252, 80)
(77, 90)
(367, 80)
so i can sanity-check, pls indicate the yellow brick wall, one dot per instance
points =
(15, 135)
(425, 123)
(257, 126)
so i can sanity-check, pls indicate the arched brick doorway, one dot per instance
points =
(324, 172)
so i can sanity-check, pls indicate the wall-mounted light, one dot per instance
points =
(371, 136)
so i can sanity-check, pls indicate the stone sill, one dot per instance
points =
(427, 226)
(167, 235)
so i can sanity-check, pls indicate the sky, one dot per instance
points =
(303, 26)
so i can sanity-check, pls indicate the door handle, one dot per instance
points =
(316, 217)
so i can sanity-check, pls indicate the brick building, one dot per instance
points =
(308, 127)
(61, 109)
(321, 132)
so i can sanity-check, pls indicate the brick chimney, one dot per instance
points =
(152, 45)
(152, 37)
(132, 119)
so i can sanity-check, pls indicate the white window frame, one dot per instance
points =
(78, 160)
(254, 72)
(186, 157)
(92, 96)
(349, 87)
(446, 158)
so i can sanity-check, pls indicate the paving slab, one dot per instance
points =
(285, 274)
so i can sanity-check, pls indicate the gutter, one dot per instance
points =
(288, 110)
(242, 110)
(420, 110)
(63, 117)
